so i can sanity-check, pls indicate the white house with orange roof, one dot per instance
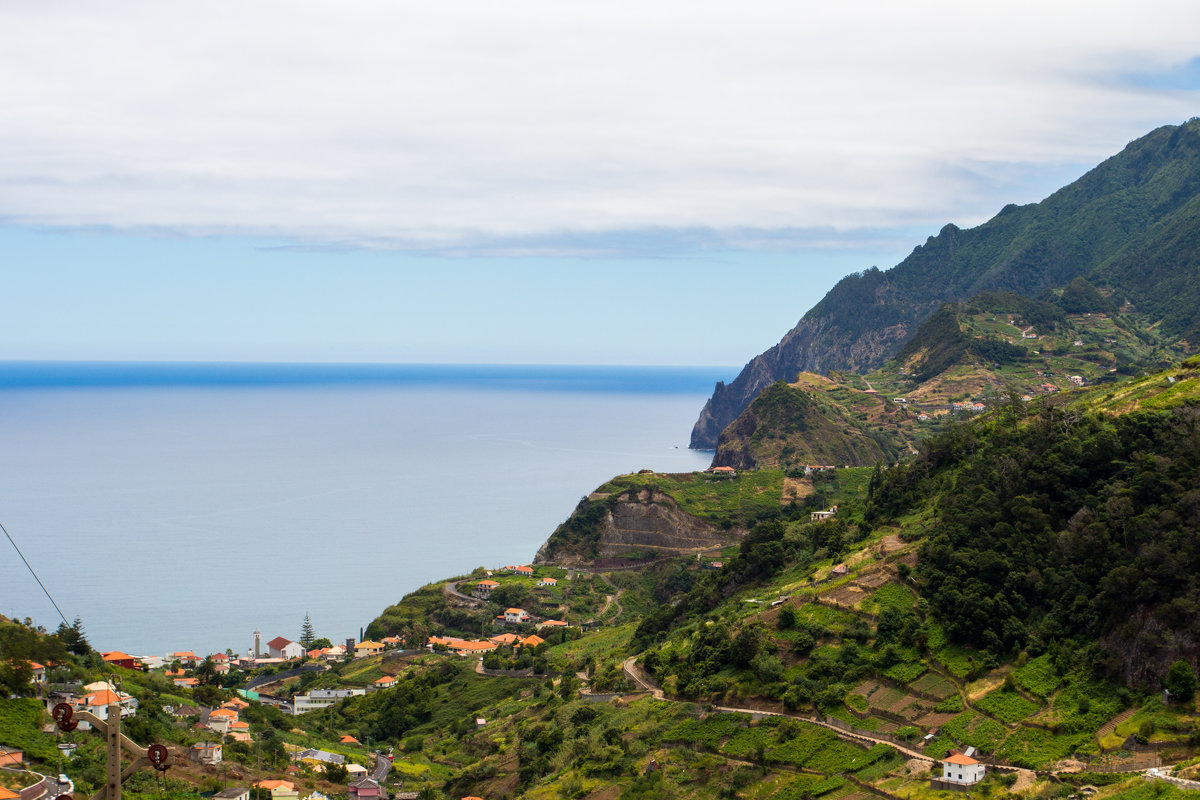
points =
(483, 589)
(525, 570)
(386, 682)
(516, 615)
(221, 719)
(97, 703)
(962, 769)
(38, 673)
(544, 582)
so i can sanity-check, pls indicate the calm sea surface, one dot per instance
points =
(179, 507)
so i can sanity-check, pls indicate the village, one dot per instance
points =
(266, 676)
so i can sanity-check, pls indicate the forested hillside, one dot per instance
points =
(1131, 226)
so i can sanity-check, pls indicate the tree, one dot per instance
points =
(317, 644)
(1181, 682)
(73, 637)
(206, 672)
(307, 636)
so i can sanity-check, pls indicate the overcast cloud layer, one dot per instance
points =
(524, 126)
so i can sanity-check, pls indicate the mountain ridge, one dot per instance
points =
(1129, 224)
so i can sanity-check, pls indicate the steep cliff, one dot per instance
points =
(637, 522)
(1131, 226)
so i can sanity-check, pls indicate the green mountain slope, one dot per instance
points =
(1131, 226)
(967, 355)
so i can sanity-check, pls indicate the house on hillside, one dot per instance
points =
(99, 701)
(552, 623)
(962, 770)
(728, 472)
(516, 616)
(525, 570)
(186, 658)
(473, 648)
(206, 752)
(280, 790)
(281, 647)
(366, 789)
(232, 793)
(319, 758)
(544, 582)
(119, 659)
(386, 682)
(220, 720)
(367, 648)
(821, 516)
(483, 589)
(322, 698)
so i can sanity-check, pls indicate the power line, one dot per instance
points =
(35, 576)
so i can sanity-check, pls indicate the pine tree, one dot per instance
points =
(74, 638)
(306, 633)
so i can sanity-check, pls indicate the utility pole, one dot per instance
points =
(156, 755)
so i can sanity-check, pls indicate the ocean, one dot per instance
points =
(183, 506)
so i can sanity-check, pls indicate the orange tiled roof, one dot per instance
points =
(101, 698)
(117, 655)
(504, 638)
(532, 641)
(288, 785)
(222, 712)
(959, 758)
(475, 646)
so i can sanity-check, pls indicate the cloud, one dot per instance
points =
(561, 127)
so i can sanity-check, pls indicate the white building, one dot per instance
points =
(279, 647)
(962, 770)
(321, 698)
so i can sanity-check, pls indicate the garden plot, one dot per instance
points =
(893, 701)
(934, 684)
(856, 591)
(935, 719)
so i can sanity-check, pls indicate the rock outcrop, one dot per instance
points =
(636, 523)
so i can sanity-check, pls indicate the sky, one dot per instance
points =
(535, 182)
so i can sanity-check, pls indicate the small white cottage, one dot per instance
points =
(962, 770)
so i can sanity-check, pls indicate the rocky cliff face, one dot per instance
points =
(640, 521)
(818, 343)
